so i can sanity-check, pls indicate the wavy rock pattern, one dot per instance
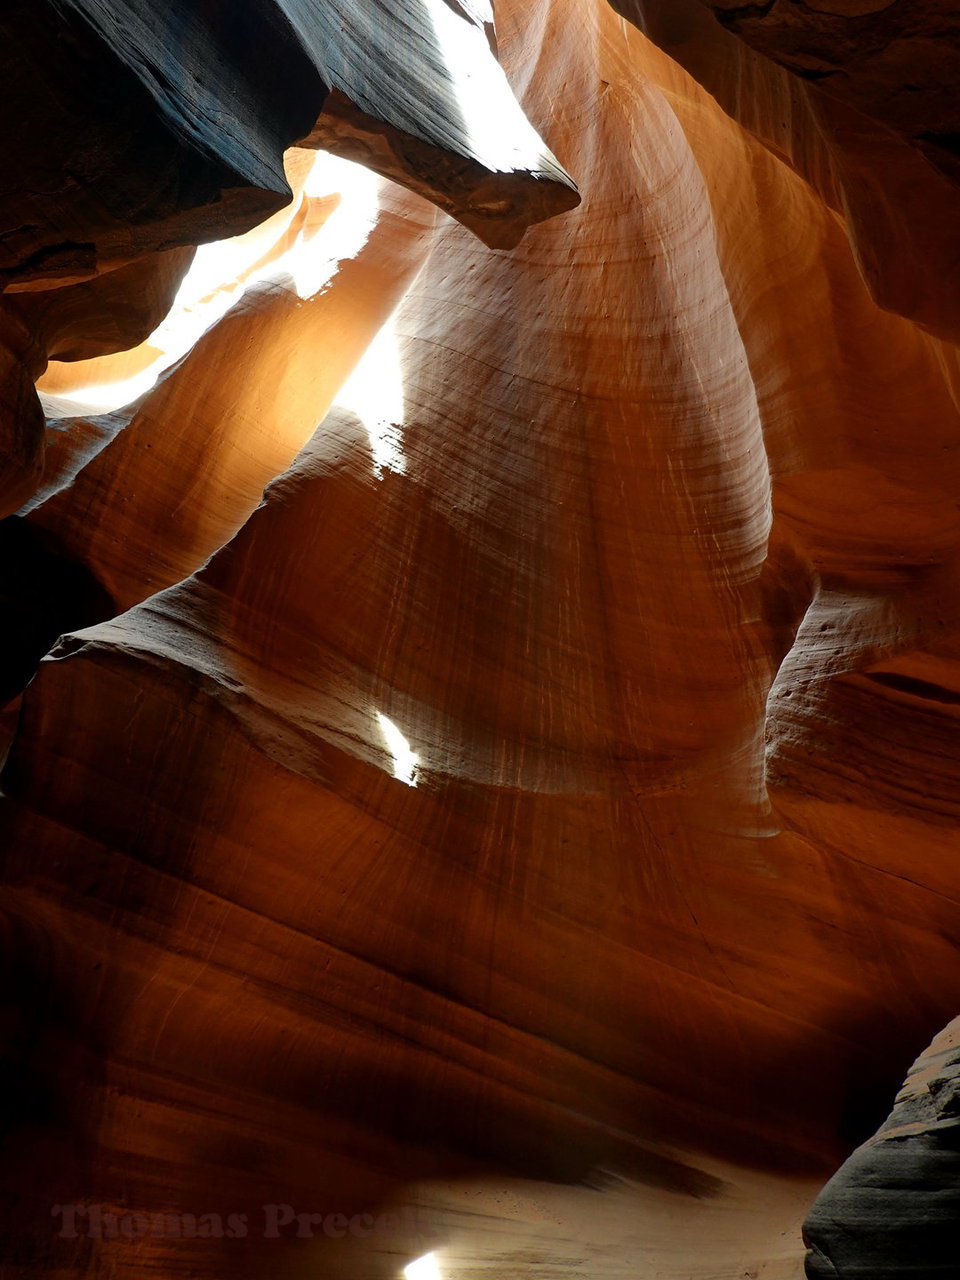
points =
(187, 112)
(842, 133)
(544, 765)
(141, 129)
(896, 61)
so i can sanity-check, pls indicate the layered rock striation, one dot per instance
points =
(141, 130)
(504, 712)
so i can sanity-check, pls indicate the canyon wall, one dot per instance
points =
(495, 707)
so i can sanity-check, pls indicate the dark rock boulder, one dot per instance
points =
(893, 1209)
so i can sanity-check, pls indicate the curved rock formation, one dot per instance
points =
(896, 61)
(848, 132)
(504, 722)
(142, 129)
(186, 113)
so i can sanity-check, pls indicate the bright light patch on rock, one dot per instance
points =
(222, 272)
(315, 258)
(374, 392)
(425, 1268)
(405, 761)
(495, 128)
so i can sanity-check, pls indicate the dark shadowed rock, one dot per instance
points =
(179, 115)
(896, 61)
(893, 1209)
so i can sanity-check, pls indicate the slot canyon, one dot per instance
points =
(480, 662)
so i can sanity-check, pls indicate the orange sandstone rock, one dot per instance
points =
(555, 772)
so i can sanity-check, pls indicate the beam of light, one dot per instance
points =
(496, 127)
(315, 259)
(222, 272)
(374, 392)
(103, 397)
(425, 1268)
(405, 764)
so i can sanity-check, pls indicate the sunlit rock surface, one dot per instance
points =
(500, 761)
(185, 112)
(135, 128)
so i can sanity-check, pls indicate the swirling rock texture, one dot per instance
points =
(135, 128)
(858, 128)
(500, 757)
